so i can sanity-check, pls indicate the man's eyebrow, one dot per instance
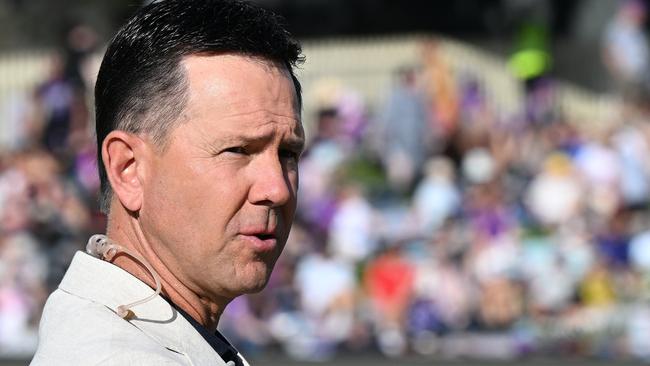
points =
(293, 142)
(241, 139)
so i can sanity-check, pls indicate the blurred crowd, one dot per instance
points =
(431, 224)
(440, 227)
(48, 190)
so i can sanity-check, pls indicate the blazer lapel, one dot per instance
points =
(102, 282)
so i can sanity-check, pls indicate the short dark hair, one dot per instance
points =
(140, 86)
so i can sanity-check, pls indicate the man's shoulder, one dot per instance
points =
(74, 330)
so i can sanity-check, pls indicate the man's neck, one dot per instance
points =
(125, 230)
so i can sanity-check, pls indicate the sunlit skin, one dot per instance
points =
(213, 209)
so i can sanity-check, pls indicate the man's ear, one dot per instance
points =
(125, 163)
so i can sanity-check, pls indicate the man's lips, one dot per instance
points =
(261, 240)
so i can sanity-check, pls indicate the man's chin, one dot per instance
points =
(255, 286)
(254, 283)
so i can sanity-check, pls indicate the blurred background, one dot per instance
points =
(475, 188)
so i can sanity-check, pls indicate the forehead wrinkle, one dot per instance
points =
(258, 137)
(263, 114)
(260, 133)
(261, 120)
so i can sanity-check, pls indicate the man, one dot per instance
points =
(625, 50)
(199, 135)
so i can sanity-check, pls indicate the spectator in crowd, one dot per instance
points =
(404, 131)
(625, 50)
(389, 280)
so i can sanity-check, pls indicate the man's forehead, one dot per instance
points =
(233, 79)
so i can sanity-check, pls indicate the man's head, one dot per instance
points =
(199, 132)
(141, 87)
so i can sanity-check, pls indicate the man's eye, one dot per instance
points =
(235, 150)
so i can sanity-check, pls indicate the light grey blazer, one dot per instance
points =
(80, 326)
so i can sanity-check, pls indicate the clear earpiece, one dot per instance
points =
(102, 247)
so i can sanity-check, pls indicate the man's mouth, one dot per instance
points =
(260, 240)
(265, 236)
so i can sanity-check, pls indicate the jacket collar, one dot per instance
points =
(102, 282)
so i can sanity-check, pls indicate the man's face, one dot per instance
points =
(219, 200)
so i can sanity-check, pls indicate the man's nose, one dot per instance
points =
(271, 185)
